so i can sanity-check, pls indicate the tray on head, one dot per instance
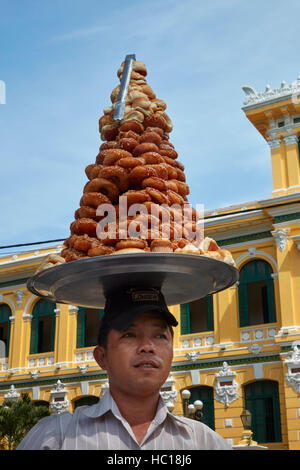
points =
(181, 277)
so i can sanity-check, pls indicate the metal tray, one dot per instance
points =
(86, 283)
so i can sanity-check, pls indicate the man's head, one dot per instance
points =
(123, 306)
(136, 342)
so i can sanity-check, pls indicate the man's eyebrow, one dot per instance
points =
(162, 325)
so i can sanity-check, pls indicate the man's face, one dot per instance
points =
(138, 359)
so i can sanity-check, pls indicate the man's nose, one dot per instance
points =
(146, 345)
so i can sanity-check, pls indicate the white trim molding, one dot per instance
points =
(281, 237)
(226, 387)
(293, 375)
(291, 139)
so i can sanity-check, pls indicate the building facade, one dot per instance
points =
(239, 348)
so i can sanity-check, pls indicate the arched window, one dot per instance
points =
(88, 400)
(206, 395)
(42, 327)
(88, 322)
(262, 400)
(256, 294)
(197, 316)
(5, 313)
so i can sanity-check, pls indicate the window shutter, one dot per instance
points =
(206, 395)
(271, 300)
(243, 304)
(5, 313)
(185, 319)
(33, 335)
(80, 327)
(210, 312)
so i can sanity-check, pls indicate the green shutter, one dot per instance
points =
(80, 328)
(33, 336)
(210, 312)
(206, 395)
(243, 304)
(262, 400)
(271, 301)
(5, 313)
(185, 319)
(53, 331)
(41, 308)
(255, 271)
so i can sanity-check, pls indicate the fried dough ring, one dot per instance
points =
(180, 175)
(154, 120)
(182, 188)
(157, 210)
(180, 243)
(104, 186)
(174, 163)
(139, 173)
(155, 182)
(88, 170)
(136, 197)
(113, 155)
(172, 171)
(93, 172)
(152, 158)
(94, 199)
(101, 155)
(171, 153)
(100, 249)
(134, 126)
(130, 162)
(157, 130)
(128, 135)
(143, 148)
(109, 131)
(161, 245)
(131, 243)
(70, 254)
(116, 175)
(84, 226)
(80, 242)
(152, 137)
(109, 145)
(128, 144)
(160, 170)
(86, 212)
(174, 198)
(165, 144)
(172, 185)
(157, 196)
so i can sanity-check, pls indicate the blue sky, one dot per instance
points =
(59, 61)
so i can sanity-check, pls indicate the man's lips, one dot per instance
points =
(147, 364)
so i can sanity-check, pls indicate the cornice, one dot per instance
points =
(279, 200)
(238, 216)
(256, 99)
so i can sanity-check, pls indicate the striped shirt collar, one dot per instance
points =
(107, 403)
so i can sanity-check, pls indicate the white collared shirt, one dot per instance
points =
(102, 426)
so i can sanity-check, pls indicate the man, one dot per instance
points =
(135, 346)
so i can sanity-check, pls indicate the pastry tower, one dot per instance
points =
(135, 198)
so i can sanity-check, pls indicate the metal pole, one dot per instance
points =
(120, 104)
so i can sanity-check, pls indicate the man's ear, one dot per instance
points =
(100, 356)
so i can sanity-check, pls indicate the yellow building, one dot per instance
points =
(236, 349)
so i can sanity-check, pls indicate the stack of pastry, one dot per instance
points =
(138, 162)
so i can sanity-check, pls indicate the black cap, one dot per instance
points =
(122, 307)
